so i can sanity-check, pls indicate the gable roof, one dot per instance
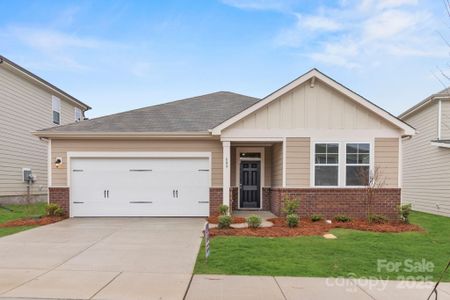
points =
(312, 75)
(444, 95)
(192, 115)
(27, 74)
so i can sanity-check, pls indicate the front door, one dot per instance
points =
(250, 185)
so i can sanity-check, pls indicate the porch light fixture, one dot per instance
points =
(58, 162)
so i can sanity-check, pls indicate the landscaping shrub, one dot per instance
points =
(51, 209)
(405, 210)
(292, 220)
(377, 219)
(59, 212)
(223, 209)
(290, 205)
(254, 221)
(224, 222)
(316, 218)
(342, 218)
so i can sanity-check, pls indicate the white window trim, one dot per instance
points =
(313, 164)
(342, 160)
(356, 165)
(76, 109)
(261, 151)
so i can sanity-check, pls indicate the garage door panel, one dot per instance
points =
(140, 187)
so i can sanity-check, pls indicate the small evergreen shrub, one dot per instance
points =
(404, 211)
(377, 219)
(316, 218)
(254, 221)
(290, 206)
(342, 218)
(52, 208)
(224, 222)
(223, 209)
(292, 220)
(59, 212)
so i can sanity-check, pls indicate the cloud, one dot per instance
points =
(319, 23)
(353, 33)
(273, 5)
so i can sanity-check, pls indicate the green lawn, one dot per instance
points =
(19, 212)
(353, 253)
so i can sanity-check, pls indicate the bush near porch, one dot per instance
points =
(352, 254)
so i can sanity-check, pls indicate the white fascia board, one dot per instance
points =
(408, 130)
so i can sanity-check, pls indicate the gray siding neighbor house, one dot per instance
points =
(426, 156)
(29, 103)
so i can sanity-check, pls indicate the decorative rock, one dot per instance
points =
(329, 236)
(328, 221)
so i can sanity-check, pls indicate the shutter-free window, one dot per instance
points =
(56, 108)
(326, 164)
(357, 164)
(78, 114)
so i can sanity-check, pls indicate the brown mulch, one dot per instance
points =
(235, 220)
(309, 228)
(32, 221)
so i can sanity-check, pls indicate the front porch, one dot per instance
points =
(250, 171)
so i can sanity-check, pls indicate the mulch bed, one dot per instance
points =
(235, 220)
(32, 221)
(309, 228)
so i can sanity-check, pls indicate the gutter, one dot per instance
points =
(120, 135)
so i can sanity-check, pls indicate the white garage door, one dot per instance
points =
(139, 186)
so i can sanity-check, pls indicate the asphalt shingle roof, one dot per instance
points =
(196, 114)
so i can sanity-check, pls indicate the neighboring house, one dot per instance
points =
(28, 103)
(311, 139)
(426, 156)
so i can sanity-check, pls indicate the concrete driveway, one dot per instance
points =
(101, 258)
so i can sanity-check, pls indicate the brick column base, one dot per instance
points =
(60, 196)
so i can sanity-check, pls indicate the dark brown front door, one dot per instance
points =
(250, 185)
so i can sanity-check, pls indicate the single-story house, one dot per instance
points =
(426, 158)
(313, 140)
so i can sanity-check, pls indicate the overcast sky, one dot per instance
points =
(120, 55)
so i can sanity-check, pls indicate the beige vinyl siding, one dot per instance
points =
(445, 120)
(386, 161)
(25, 108)
(304, 107)
(426, 168)
(61, 147)
(298, 162)
(277, 165)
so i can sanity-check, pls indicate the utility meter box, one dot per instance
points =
(27, 175)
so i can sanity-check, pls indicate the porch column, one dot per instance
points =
(226, 173)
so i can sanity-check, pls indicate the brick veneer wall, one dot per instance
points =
(60, 196)
(234, 197)
(332, 202)
(266, 196)
(215, 199)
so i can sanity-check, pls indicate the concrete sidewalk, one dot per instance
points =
(210, 287)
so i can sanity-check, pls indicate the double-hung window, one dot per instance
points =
(326, 164)
(78, 114)
(56, 108)
(357, 164)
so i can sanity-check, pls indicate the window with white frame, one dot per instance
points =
(56, 108)
(357, 168)
(78, 114)
(326, 164)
